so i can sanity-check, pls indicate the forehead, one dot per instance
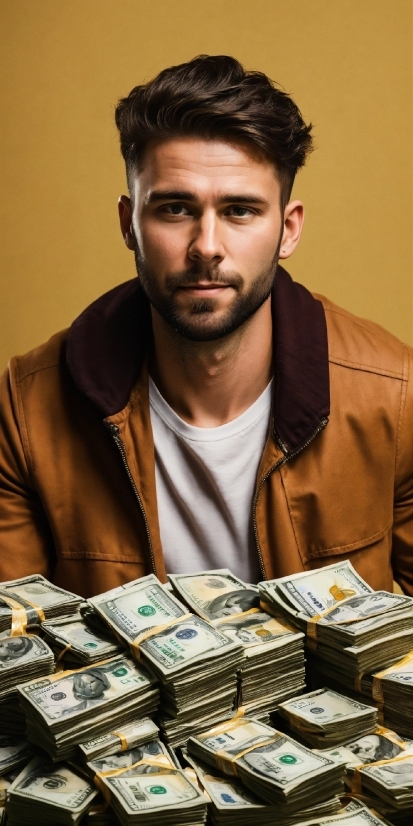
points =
(202, 166)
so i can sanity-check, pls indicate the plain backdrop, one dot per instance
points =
(65, 63)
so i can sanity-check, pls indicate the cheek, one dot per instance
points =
(162, 245)
(255, 250)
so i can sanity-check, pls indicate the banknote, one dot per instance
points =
(37, 591)
(22, 657)
(325, 715)
(257, 628)
(393, 689)
(140, 731)
(215, 594)
(85, 644)
(137, 607)
(49, 790)
(186, 642)
(71, 694)
(391, 780)
(14, 751)
(313, 592)
(126, 759)
(233, 737)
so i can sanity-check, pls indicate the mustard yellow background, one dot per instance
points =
(65, 63)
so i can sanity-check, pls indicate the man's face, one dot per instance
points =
(206, 229)
(366, 747)
(89, 686)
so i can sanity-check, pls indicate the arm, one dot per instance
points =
(26, 544)
(402, 549)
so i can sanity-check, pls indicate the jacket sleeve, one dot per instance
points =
(26, 545)
(402, 548)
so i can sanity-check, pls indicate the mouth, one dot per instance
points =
(204, 289)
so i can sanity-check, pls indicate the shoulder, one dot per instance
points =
(362, 344)
(47, 357)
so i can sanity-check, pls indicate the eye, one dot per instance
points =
(175, 209)
(240, 211)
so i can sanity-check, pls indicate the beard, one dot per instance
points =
(201, 322)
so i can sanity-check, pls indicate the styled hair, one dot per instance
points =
(213, 97)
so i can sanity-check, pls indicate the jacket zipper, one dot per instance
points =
(114, 430)
(283, 461)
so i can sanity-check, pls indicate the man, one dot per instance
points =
(183, 422)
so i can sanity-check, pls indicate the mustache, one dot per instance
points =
(195, 274)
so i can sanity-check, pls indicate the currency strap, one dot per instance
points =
(227, 725)
(59, 666)
(135, 645)
(163, 763)
(123, 740)
(356, 787)
(19, 617)
(222, 758)
(377, 687)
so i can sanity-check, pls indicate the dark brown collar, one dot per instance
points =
(107, 343)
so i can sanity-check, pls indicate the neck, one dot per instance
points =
(210, 383)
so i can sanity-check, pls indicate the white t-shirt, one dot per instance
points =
(205, 483)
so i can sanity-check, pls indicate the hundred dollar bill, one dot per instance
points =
(391, 780)
(84, 644)
(215, 594)
(233, 737)
(393, 689)
(22, 657)
(49, 794)
(155, 790)
(14, 751)
(42, 599)
(305, 595)
(125, 759)
(324, 716)
(187, 642)
(135, 608)
(127, 737)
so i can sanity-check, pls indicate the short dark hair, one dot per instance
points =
(212, 96)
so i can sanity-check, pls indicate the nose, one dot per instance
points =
(206, 244)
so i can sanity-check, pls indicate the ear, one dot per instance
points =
(125, 219)
(293, 224)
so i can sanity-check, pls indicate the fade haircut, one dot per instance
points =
(213, 97)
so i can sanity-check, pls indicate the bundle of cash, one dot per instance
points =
(231, 804)
(273, 664)
(65, 709)
(324, 717)
(128, 758)
(273, 766)
(77, 642)
(393, 690)
(23, 657)
(14, 752)
(38, 598)
(309, 594)
(153, 792)
(126, 737)
(132, 610)
(47, 793)
(215, 594)
(380, 744)
(390, 780)
(196, 666)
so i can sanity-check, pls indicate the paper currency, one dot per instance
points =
(22, 658)
(134, 609)
(14, 752)
(39, 597)
(197, 668)
(305, 595)
(391, 780)
(150, 793)
(273, 665)
(67, 708)
(46, 793)
(393, 689)
(128, 758)
(79, 642)
(215, 594)
(325, 717)
(126, 737)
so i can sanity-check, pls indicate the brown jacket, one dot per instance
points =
(77, 479)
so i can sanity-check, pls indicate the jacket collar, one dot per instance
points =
(107, 344)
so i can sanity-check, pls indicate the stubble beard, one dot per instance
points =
(197, 323)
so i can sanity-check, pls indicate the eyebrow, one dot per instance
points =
(178, 195)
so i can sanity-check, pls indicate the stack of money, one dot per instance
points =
(273, 667)
(393, 690)
(303, 784)
(300, 597)
(22, 657)
(134, 609)
(12, 718)
(196, 666)
(125, 759)
(215, 594)
(74, 641)
(153, 792)
(231, 804)
(39, 598)
(390, 781)
(72, 706)
(126, 737)
(324, 717)
(49, 794)
(14, 752)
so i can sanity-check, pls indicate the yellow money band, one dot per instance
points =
(59, 663)
(312, 621)
(231, 618)
(357, 682)
(356, 787)
(390, 735)
(19, 617)
(377, 688)
(37, 608)
(222, 758)
(69, 672)
(122, 738)
(228, 725)
(153, 631)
